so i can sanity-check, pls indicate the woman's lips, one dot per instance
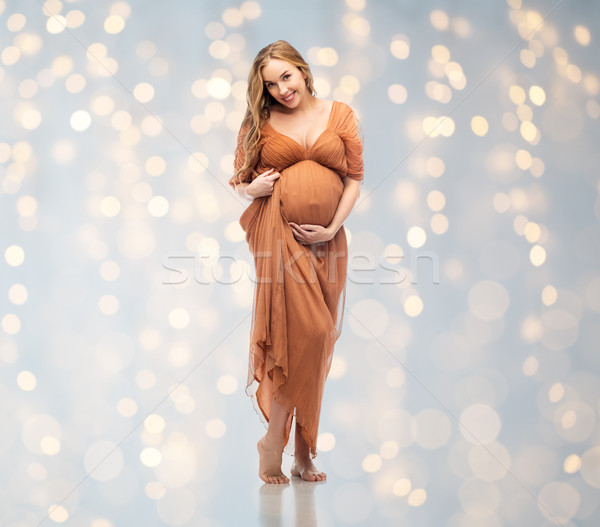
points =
(293, 96)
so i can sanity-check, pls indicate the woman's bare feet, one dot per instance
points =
(306, 469)
(303, 465)
(269, 468)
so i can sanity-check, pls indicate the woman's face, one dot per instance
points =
(285, 82)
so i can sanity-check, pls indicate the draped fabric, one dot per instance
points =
(300, 290)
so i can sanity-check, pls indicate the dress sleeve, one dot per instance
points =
(351, 133)
(238, 160)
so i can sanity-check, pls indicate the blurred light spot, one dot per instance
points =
(438, 91)
(56, 24)
(413, 306)
(150, 457)
(108, 304)
(509, 121)
(417, 497)
(218, 88)
(227, 384)
(338, 368)
(179, 318)
(461, 26)
(143, 92)
(31, 119)
(127, 407)
(114, 24)
(537, 255)
(219, 49)
(481, 421)
(215, 428)
(110, 206)
(15, 22)
(590, 466)
(528, 58)
(155, 490)
(402, 487)
(532, 232)
(158, 206)
(325, 442)
(435, 166)
(436, 200)
(232, 17)
(501, 202)
(11, 323)
(37, 471)
(120, 120)
(537, 95)
(214, 30)
(574, 421)
(369, 318)
(440, 54)
(395, 377)
(416, 236)
(371, 463)
(525, 112)
(439, 19)
(75, 18)
(109, 271)
(327, 56)
(479, 125)
(357, 24)
(389, 450)
(528, 131)
(572, 464)
(523, 159)
(145, 379)
(560, 500)
(516, 94)
(154, 423)
(57, 513)
(582, 35)
(80, 120)
(36, 428)
(75, 83)
(489, 463)
(530, 366)
(488, 300)
(556, 392)
(17, 294)
(400, 46)
(549, 295)
(50, 445)
(479, 499)
(26, 381)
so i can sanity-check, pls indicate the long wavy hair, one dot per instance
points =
(260, 101)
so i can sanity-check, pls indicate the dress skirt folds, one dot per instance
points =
(300, 290)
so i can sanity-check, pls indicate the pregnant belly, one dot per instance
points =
(310, 193)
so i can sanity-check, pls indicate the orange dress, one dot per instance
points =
(300, 290)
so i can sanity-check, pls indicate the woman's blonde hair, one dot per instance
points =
(260, 101)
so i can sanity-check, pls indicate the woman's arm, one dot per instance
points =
(240, 188)
(346, 204)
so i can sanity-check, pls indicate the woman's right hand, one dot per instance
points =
(263, 184)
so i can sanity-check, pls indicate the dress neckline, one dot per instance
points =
(318, 137)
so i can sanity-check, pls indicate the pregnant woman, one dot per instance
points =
(299, 159)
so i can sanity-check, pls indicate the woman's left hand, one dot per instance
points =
(308, 234)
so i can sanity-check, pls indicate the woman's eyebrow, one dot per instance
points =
(286, 71)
